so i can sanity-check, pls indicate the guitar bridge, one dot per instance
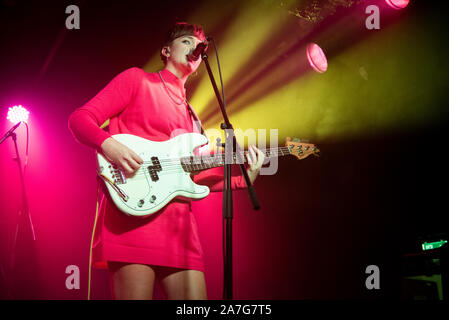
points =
(118, 175)
(114, 185)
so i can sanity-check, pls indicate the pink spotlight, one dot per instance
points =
(316, 57)
(18, 114)
(397, 4)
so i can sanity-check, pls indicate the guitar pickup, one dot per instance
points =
(154, 169)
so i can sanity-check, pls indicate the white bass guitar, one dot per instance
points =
(167, 168)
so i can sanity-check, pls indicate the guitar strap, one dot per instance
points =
(195, 119)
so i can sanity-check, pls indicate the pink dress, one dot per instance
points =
(136, 102)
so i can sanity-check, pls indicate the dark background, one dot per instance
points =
(366, 201)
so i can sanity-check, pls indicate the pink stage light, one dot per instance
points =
(18, 114)
(316, 57)
(397, 4)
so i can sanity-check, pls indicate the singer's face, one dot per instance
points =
(179, 49)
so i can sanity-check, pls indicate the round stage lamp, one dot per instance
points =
(316, 57)
(397, 4)
(17, 114)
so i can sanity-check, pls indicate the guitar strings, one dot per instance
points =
(173, 165)
(214, 160)
(206, 159)
(221, 155)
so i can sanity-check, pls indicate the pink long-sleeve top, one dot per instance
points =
(138, 103)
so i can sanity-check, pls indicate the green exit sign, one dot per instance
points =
(433, 245)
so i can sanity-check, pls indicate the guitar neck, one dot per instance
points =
(199, 163)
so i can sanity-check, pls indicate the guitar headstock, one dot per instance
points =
(301, 149)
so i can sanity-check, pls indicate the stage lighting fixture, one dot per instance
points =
(397, 4)
(317, 58)
(17, 114)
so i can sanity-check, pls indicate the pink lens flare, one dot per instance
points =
(397, 4)
(17, 114)
(317, 58)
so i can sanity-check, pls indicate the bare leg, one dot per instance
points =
(131, 281)
(182, 284)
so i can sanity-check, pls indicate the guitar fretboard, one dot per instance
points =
(199, 163)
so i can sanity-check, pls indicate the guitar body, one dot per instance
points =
(159, 179)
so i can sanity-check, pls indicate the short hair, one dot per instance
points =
(180, 29)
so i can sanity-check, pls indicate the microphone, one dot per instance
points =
(195, 54)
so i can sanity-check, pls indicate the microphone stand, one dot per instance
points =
(25, 207)
(230, 142)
